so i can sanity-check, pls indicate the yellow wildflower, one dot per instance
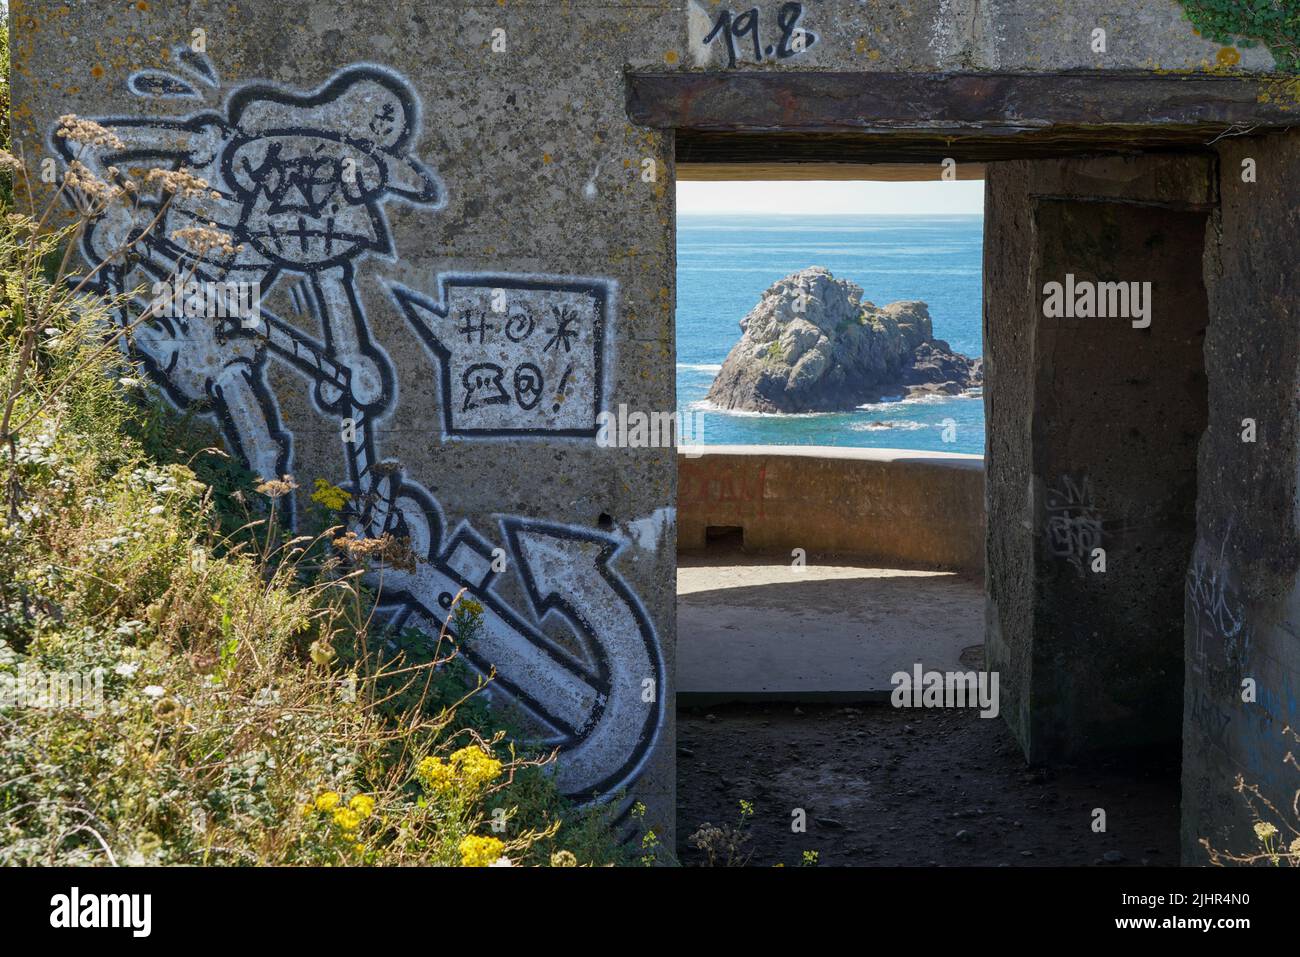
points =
(476, 766)
(363, 804)
(331, 496)
(1264, 830)
(478, 851)
(347, 819)
(471, 768)
(328, 801)
(435, 774)
(321, 651)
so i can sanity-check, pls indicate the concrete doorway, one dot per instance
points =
(1093, 436)
(806, 532)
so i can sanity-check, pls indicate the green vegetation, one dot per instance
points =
(4, 76)
(183, 680)
(1245, 23)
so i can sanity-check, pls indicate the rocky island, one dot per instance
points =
(813, 344)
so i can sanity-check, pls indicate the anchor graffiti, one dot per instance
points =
(302, 180)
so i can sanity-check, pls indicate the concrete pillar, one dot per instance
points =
(1093, 421)
(1241, 717)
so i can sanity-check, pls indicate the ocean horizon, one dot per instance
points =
(726, 261)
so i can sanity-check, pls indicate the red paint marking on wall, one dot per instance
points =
(732, 486)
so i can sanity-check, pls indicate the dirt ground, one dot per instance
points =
(888, 787)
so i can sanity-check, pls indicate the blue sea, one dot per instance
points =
(724, 263)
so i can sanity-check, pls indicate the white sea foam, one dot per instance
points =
(905, 426)
(704, 405)
(920, 398)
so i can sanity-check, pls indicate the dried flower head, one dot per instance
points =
(1264, 830)
(205, 239)
(181, 182)
(383, 548)
(167, 710)
(91, 192)
(275, 488)
(87, 132)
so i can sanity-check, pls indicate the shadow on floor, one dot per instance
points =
(888, 787)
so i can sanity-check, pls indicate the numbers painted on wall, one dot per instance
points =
(743, 34)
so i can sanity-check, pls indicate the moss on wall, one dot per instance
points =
(1246, 23)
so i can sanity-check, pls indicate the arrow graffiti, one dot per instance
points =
(301, 181)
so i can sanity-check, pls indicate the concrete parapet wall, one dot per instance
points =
(886, 505)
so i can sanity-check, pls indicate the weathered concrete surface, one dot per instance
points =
(474, 171)
(963, 35)
(494, 154)
(1243, 586)
(1010, 347)
(884, 505)
(1094, 423)
(753, 629)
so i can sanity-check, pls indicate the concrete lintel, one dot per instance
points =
(776, 170)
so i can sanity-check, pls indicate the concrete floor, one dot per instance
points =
(754, 628)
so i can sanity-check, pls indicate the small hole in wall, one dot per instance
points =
(604, 523)
(726, 536)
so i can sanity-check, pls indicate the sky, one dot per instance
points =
(814, 197)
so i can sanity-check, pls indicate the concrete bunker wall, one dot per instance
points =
(1095, 422)
(444, 328)
(1242, 651)
(880, 505)
(1161, 453)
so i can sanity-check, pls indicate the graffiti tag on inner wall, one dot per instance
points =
(1073, 527)
(302, 180)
